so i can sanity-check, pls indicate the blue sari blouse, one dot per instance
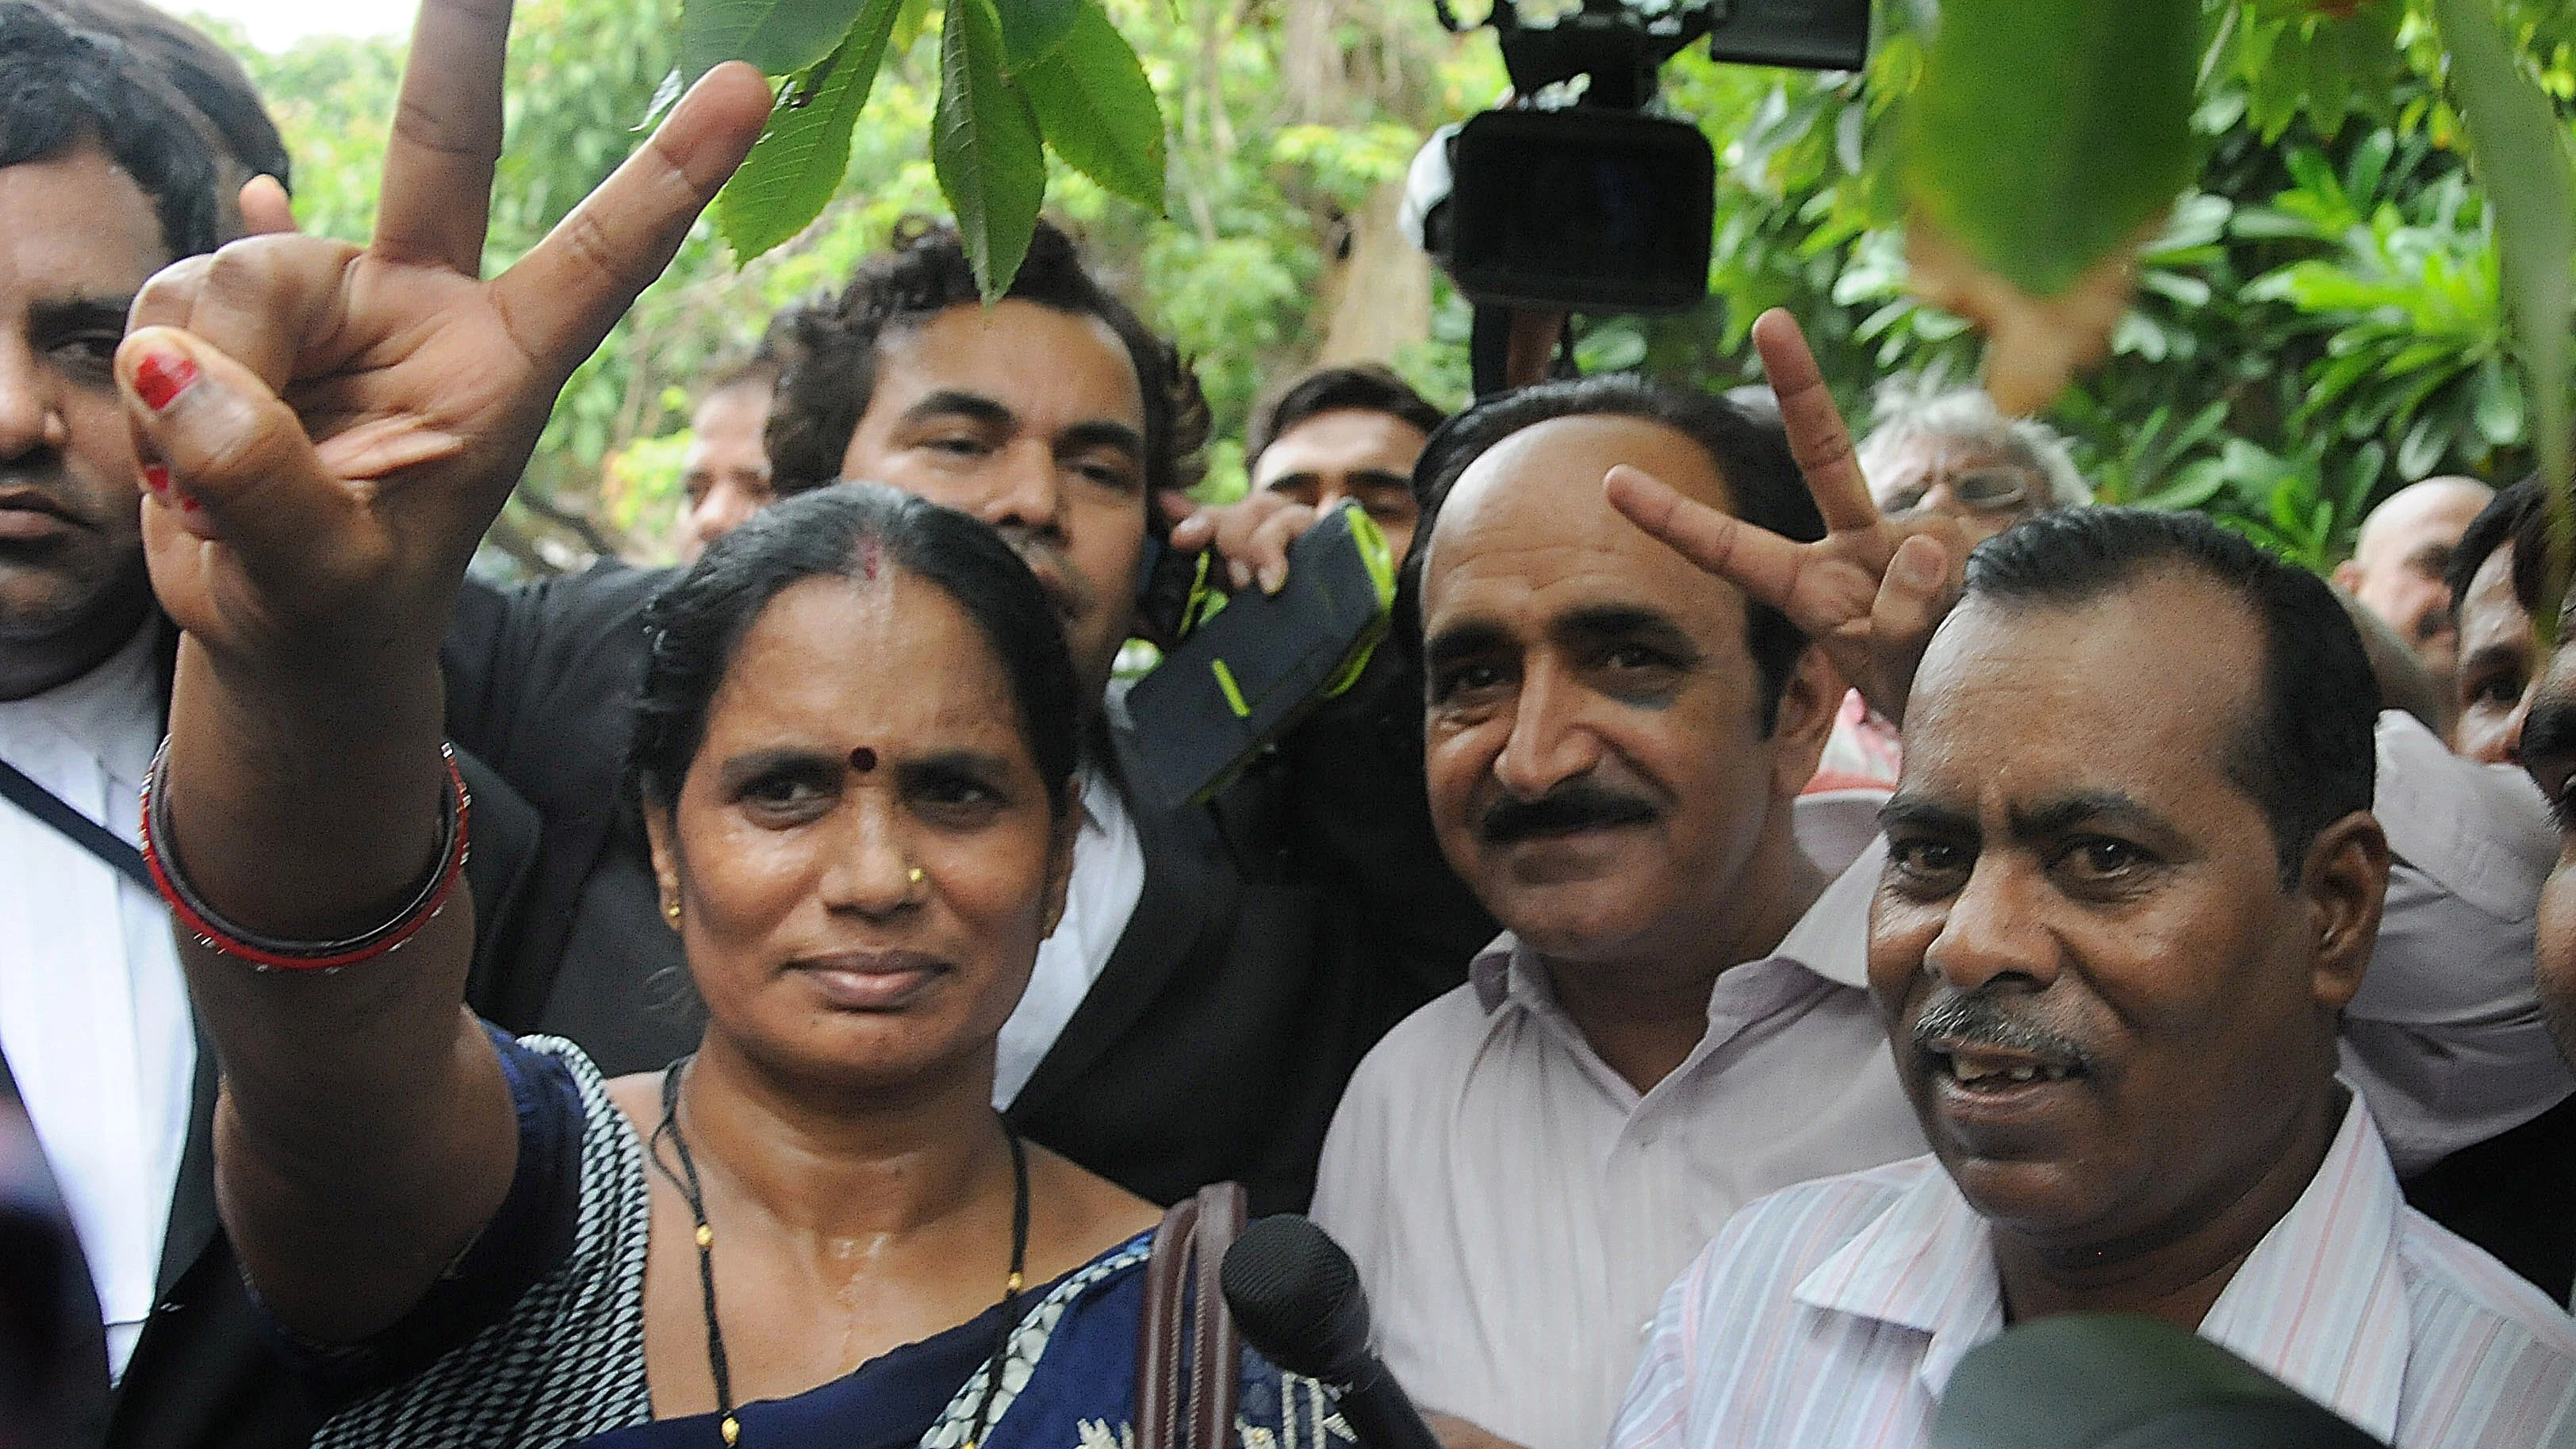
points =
(534, 1338)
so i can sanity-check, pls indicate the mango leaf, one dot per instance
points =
(797, 163)
(1031, 29)
(984, 146)
(780, 37)
(1097, 109)
(2519, 152)
(2048, 133)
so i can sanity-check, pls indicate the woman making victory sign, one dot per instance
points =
(855, 748)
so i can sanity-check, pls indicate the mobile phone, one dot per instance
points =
(1254, 668)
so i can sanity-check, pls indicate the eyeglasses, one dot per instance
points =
(1979, 490)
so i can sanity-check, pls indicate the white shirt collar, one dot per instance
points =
(2318, 1304)
(109, 712)
(93, 1011)
(1108, 880)
(1831, 940)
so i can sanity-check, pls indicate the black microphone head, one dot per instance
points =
(1297, 1297)
(2110, 1381)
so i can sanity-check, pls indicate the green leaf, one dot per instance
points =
(2047, 133)
(799, 160)
(2498, 414)
(984, 145)
(1098, 111)
(780, 37)
(1031, 29)
(2519, 152)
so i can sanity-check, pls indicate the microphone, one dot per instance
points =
(2113, 1381)
(1296, 1295)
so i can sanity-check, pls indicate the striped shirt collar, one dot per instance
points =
(2319, 1304)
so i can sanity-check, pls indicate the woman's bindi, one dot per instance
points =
(863, 759)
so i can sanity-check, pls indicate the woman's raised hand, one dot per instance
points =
(327, 430)
(1871, 591)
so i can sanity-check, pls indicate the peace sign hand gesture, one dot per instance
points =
(327, 431)
(1871, 591)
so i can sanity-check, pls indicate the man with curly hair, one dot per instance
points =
(1219, 970)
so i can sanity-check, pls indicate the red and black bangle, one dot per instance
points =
(269, 953)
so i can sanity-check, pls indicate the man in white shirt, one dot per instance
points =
(109, 186)
(1614, 748)
(1520, 1167)
(105, 178)
(2113, 943)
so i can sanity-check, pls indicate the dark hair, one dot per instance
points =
(2309, 756)
(1752, 457)
(827, 386)
(62, 89)
(1363, 387)
(202, 71)
(2517, 516)
(698, 623)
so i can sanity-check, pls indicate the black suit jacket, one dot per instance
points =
(202, 1376)
(1279, 933)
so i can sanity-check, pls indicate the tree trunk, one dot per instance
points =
(1376, 300)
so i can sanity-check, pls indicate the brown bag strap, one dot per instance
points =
(1181, 1281)
(1216, 1349)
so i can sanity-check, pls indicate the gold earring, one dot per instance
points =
(672, 910)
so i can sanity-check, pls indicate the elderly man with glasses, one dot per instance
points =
(1946, 451)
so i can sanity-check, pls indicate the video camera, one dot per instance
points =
(1575, 196)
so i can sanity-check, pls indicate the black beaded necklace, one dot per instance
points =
(686, 1181)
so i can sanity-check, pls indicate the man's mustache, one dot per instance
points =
(1980, 1019)
(1580, 805)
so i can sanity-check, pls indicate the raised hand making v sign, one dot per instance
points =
(1871, 591)
(855, 752)
(326, 431)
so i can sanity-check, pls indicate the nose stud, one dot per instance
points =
(914, 875)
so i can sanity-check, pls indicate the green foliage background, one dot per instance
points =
(2319, 322)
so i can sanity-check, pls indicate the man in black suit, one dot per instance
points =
(1221, 970)
(105, 177)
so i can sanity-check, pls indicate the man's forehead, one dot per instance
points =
(1544, 481)
(2424, 512)
(1528, 540)
(1042, 365)
(1952, 450)
(2489, 612)
(1341, 438)
(76, 228)
(2056, 687)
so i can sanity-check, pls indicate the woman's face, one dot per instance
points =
(862, 851)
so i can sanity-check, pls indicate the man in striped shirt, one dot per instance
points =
(2116, 932)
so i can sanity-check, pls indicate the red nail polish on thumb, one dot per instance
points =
(161, 376)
